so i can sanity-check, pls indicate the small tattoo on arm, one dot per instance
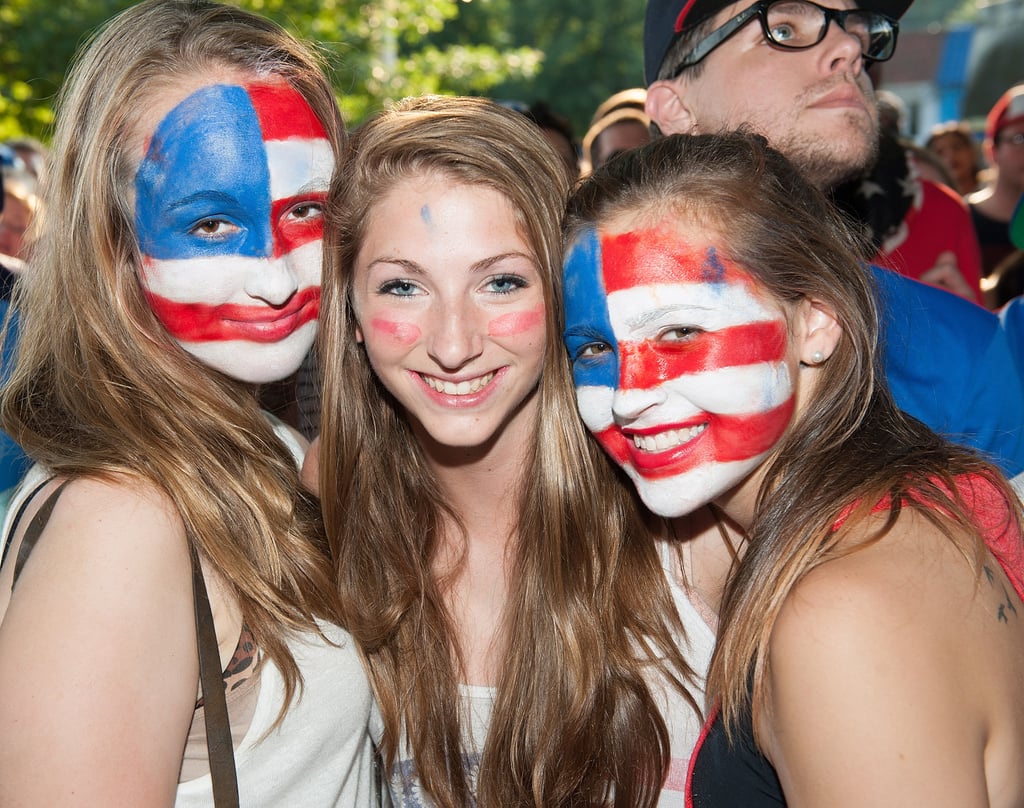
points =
(1007, 607)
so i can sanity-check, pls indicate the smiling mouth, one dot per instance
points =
(463, 388)
(669, 439)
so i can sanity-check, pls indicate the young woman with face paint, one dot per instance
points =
(520, 636)
(723, 338)
(179, 267)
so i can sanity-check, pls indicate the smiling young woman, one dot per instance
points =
(521, 634)
(724, 341)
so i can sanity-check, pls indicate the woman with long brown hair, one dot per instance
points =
(521, 634)
(164, 535)
(724, 341)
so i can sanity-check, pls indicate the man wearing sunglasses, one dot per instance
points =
(795, 72)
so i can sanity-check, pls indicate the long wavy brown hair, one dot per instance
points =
(851, 445)
(100, 388)
(589, 620)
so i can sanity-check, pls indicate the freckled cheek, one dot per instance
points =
(399, 332)
(517, 323)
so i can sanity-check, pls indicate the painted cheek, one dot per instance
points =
(403, 333)
(615, 444)
(515, 323)
(291, 232)
(647, 364)
(739, 437)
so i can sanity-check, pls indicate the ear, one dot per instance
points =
(359, 334)
(667, 107)
(818, 330)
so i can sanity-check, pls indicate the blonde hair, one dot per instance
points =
(589, 614)
(99, 387)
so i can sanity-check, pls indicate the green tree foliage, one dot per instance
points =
(378, 51)
(592, 48)
(37, 40)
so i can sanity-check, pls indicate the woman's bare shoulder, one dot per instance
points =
(873, 667)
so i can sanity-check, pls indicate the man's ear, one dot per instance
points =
(667, 107)
(819, 331)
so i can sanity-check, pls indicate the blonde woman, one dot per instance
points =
(164, 535)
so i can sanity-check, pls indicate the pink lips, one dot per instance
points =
(465, 401)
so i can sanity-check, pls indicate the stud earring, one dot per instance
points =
(817, 358)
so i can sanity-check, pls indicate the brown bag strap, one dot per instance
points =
(219, 748)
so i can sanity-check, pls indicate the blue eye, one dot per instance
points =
(398, 288)
(506, 284)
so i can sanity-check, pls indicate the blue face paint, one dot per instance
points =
(586, 314)
(206, 162)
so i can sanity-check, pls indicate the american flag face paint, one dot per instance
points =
(228, 210)
(681, 366)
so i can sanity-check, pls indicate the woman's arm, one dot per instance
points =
(98, 667)
(872, 697)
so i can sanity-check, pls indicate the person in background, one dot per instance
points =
(1011, 313)
(724, 341)
(32, 153)
(954, 144)
(20, 205)
(919, 227)
(13, 461)
(521, 625)
(620, 130)
(558, 132)
(993, 205)
(168, 624)
(814, 103)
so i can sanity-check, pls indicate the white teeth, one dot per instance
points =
(460, 388)
(668, 439)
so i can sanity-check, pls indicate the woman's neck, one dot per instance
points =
(482, 485)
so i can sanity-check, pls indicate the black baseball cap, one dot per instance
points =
(664, 20)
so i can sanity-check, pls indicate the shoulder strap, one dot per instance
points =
(17, 516)
(35, 527)
(219, 748)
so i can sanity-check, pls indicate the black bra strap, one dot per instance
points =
(17, 517)
(35, 527)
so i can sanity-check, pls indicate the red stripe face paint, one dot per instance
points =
(681, 363)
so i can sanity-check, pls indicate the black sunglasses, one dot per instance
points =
(801, 24)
